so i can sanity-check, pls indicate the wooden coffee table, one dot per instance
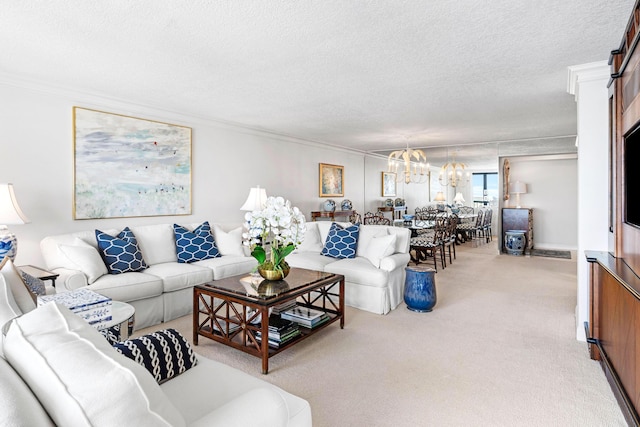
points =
(230, 310)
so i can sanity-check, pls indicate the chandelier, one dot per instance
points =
(416, 172)
(452, 174)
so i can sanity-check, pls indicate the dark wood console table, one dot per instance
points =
(614, 317)
(331, 214)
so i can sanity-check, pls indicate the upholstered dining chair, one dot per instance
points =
(449, 237)
(355, 218)
(486, 225)
(377, 218)
(466, 210)
(429, 244)
(470, 230)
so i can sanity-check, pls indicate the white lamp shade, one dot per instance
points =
(518, 188)
(459, 198)
(439, 197)
(10, 212)
(256, 200)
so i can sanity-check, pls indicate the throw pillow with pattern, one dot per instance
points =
(195, 245)
(165, 354)
(121, 254)
(341, 242)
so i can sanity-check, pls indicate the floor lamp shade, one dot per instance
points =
(10, 213)
(256, 200)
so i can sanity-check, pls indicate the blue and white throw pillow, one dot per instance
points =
(341, 242)
(164, 353)
(121, 253)
(35, 285)
(195, 245)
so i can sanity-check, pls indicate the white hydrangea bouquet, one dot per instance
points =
(279, 225)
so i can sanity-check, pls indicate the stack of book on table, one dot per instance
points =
(307, 317)
(280, 308)
(281, 331)
(93, 307)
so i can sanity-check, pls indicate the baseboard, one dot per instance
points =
(552, 246)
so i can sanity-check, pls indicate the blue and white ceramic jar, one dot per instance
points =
(515, 242)
(329, 205)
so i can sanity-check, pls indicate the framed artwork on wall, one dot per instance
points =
(388, 184)
(331, 180)
(129, 167)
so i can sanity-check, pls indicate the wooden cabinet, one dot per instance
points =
(518, 219)
(614, 319)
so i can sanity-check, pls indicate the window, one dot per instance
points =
(485, 188)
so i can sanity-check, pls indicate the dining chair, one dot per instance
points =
(429, 244)
(466, 210)
(355, 218)
(449, 237)
(477, 228)
(377, 218)
(486, 225)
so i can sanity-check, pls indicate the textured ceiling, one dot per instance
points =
(369, 75)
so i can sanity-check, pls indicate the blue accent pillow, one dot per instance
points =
(341, 242)
(35, 285)
(195, 245)
(121, 253)
(164, 353)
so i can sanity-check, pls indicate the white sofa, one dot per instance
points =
(161, 292)
(55, 369)
(374, 279)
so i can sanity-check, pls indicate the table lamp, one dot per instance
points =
(256, 200)
(459, 199)
(440, 199)
(10, 213)
(518, 188)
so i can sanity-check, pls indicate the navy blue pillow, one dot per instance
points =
(121, 253)
(164, 354)
(195, 245)
(341, 242)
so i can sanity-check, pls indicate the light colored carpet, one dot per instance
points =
(497, 350)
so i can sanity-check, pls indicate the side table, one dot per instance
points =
(40, 273)
(120, 327)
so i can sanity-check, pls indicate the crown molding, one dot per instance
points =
(583, 73)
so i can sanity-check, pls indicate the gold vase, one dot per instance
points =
(275, 274)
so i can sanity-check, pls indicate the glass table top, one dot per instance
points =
(253, 285)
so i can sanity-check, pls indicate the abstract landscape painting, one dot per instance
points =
(129, 167)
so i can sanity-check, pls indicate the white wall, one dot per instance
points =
(552, 184)
(36, 135)
(37, 153)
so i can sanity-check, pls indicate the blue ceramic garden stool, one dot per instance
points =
(420, 288)
(515, 241)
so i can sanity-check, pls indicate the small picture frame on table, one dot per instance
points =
(389, 184)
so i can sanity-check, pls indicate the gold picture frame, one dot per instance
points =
(331, 180)
(389, 187)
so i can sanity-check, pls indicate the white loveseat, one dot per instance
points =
(374, 279)
(161, 292)
(55, 369)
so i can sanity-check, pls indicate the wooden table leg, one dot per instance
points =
(264, 342)
(342, 303)
(196, 316)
